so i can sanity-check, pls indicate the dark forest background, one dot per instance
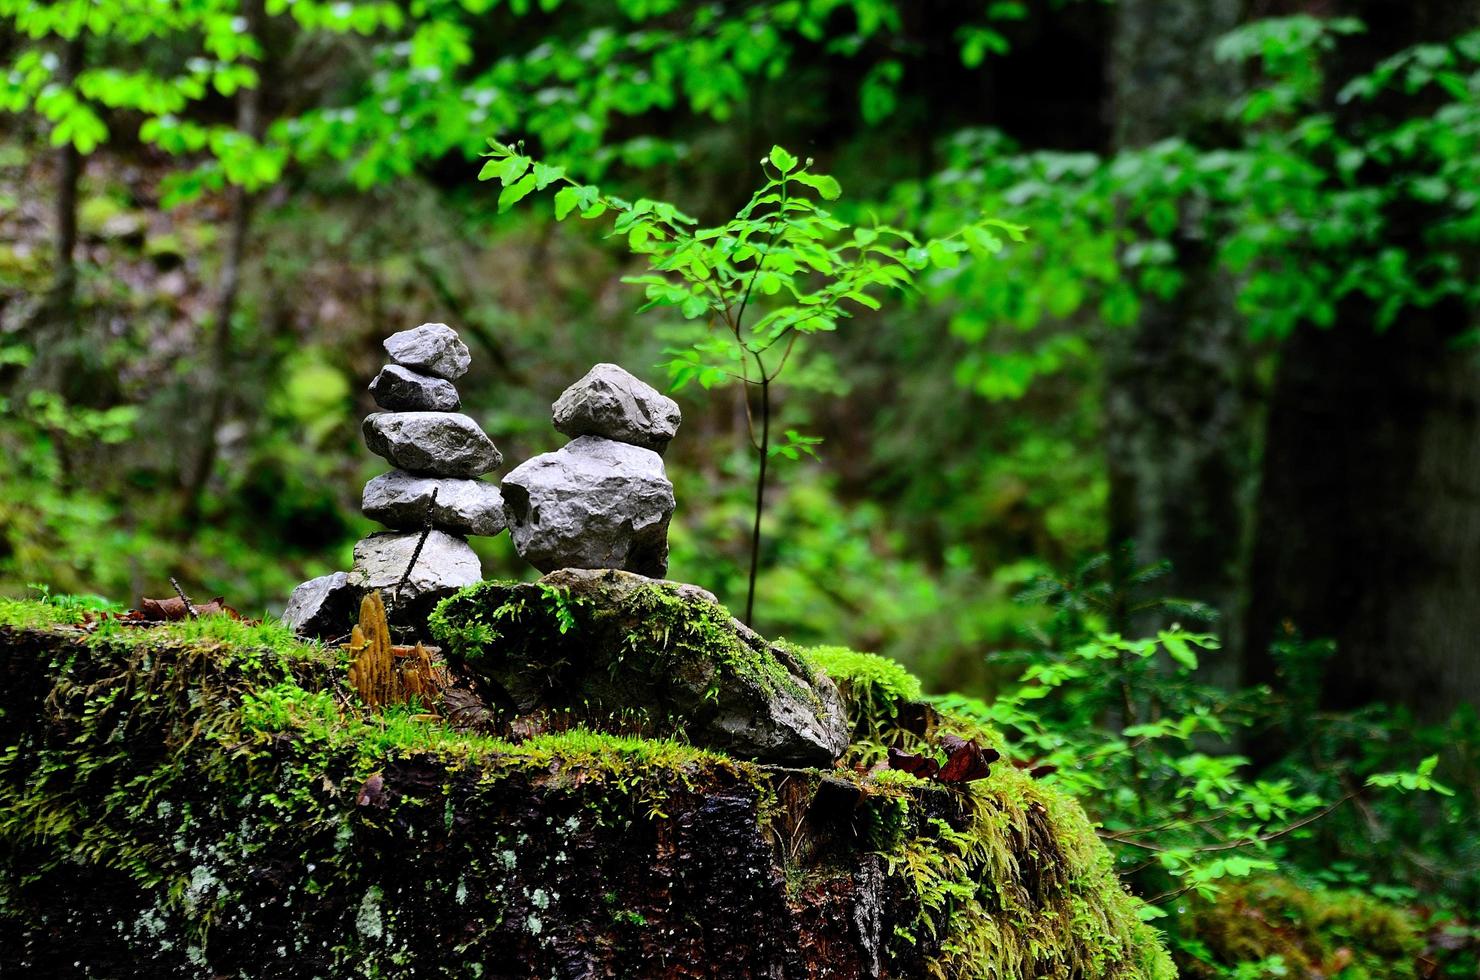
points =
(1235, 358)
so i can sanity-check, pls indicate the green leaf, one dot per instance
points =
(565, 200)
(826, 187)
(1178, 649)
(515, 192)
(545, 175)
(513, 169)
(782, 160)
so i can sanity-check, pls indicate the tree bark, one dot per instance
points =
(1369, 517)
(69, 175)
(1177, 413)
(248, 121)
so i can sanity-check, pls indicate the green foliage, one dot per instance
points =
(1323, 198)
(804, 270)
(1306, 213)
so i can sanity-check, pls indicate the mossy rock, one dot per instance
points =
(208, 799)
(630, 652)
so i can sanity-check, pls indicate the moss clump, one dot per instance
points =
(662, 629)
(270, 636)
(1011, 881)
(33, 613)
(873, 684)
(614, 649)
(1305, 932)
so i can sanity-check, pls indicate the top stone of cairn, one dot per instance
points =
(611, 403)
(432, 348)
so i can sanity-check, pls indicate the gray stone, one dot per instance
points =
(404, 500)
(432, 348)
(607, 644)
(611, 403)
(323, 608)
(399, 389)
(445, 565)
(438, 443)
(595, 503)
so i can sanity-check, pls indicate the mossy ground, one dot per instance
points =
(1299, 931)
(213, 789)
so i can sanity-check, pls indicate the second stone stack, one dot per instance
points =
(438, 454)
(602, 500)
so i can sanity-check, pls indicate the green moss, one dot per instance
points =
(245, 639)
(659, 633)
(35, 614)
(1013, 882)
(1308, 931)
(865, 677)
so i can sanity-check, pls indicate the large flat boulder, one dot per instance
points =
(256, 819)
(445, 565)
(626, 649)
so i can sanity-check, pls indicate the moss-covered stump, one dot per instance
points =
(207, 800)
(628, 652)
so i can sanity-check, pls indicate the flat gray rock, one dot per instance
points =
(400, 389)
(432, 348)
(436, 443)
(595, 503)
(323, 608)
(404, 500)
(611, 403)
(445, 565)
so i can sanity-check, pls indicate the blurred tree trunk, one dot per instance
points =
(1177, 417)
(53, 319)
(63, 300)
(218, 378)
(1369, 514)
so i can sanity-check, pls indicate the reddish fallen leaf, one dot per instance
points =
(173, 608)
(918, 766)
(967, 762)
(372, 792)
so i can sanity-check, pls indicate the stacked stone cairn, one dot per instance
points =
(603, 500)
(439, 454)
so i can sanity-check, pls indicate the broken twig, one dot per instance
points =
(426, 532)
(189, 606)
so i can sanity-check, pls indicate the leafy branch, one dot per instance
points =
(783, 269)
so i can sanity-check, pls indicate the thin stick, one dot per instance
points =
(189, 606)
(426, 532)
